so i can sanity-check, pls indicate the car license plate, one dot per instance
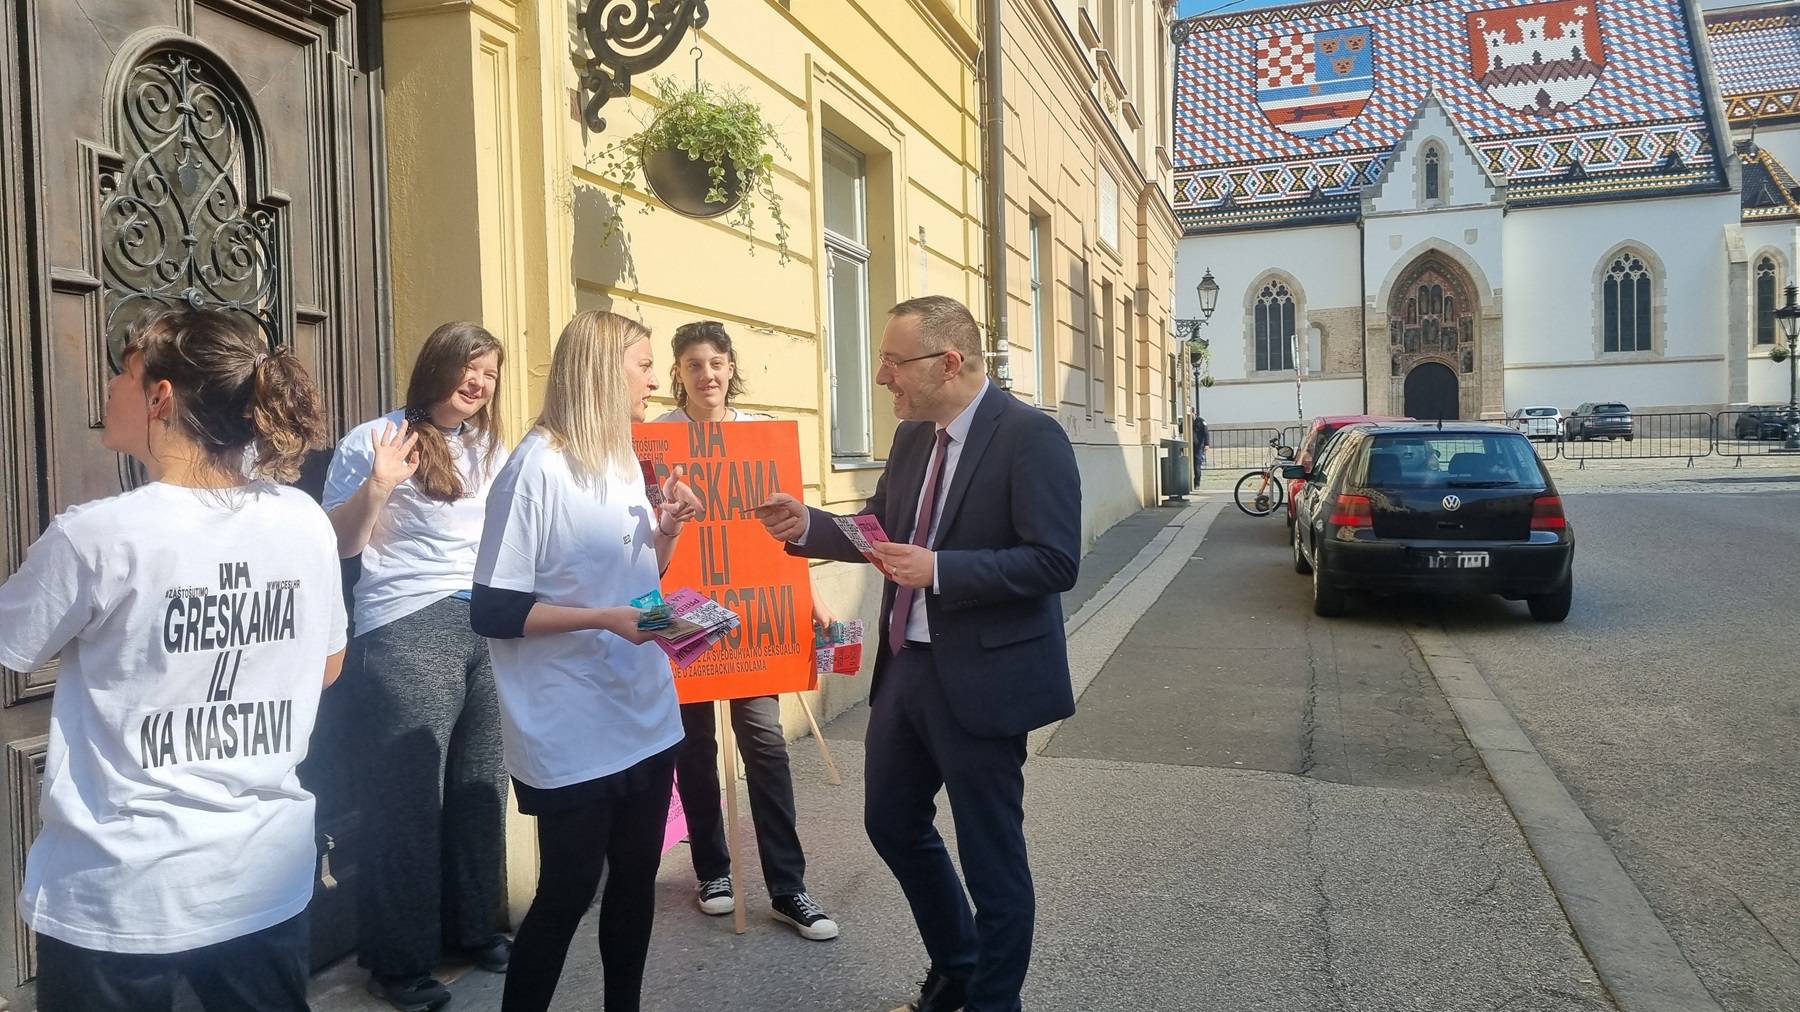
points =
(1456, 560)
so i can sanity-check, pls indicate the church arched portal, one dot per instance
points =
(1432, 392)
(1434, 315)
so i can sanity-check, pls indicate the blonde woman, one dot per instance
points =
(407, 493)
(589, 719)
(706, 381)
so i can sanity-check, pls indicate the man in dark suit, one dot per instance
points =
(983, 501)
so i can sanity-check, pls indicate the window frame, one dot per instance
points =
(848, 250)
(1647, 313)
(1262, 359)
(1762, 316)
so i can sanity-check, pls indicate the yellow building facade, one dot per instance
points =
(499, 210)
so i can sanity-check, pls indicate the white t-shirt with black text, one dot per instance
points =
(574, 706)
(193, 629)
(420, 550)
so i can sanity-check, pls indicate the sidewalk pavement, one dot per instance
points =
(1249, 812)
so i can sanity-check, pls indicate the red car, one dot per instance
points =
(1317, 435)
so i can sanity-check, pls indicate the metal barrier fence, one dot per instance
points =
(1672, 435)
(1751, 432)
(1239, 449)
(1682, 435)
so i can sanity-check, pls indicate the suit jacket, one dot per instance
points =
(1008, 546)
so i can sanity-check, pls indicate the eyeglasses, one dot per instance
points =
(895, 363)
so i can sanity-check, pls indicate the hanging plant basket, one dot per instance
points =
(707, 154)
(1778, 354)
(683, 182)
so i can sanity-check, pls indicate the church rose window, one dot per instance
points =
(1274, 328)
(1626, 304)
(1765, 301)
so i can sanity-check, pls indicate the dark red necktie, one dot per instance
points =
(921, 536)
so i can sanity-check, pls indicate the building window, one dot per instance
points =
(1109, 351)
(1274, 328)
(1767, 284)
(847, 299)
(1433, 176)
(1041, 332)
(1625, 305)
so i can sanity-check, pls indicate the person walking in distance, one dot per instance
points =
(706, 382)
(407, 493)
(197, 617)
(589, 720)
(982, 497)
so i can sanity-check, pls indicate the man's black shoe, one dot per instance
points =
(937, 993)
(495, 956)
(410, 994)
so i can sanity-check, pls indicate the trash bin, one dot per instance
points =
(1177, 470)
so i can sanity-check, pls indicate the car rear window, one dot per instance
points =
(1541, 412)
(1429, 460)
(1611, 409)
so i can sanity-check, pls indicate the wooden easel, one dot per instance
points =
(728, 753)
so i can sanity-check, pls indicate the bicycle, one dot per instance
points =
(1262, 492)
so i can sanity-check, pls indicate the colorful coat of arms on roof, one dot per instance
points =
(1538, 58)
(1313, 83)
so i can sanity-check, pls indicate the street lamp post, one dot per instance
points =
(1789, 318)
(1189, 330)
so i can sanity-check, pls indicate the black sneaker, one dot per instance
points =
(410, 994)
(494, 957)
(715, 896)
(937, 993)
(803, 915)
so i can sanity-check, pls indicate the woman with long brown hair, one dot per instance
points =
(197, 619)
(407, 493)
(588, 702)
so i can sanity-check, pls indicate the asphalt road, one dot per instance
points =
(1668, 705)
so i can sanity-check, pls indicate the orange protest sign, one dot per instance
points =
(727, 556)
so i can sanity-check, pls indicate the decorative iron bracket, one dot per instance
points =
(627, 37)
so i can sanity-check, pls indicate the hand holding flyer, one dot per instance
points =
(862, 530)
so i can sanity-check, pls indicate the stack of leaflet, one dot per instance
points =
(686, 625)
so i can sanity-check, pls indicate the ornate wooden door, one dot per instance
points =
(221, 153)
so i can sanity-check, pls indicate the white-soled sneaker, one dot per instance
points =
(799, 912)
(715, 897)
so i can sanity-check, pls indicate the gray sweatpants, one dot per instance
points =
(432, 789)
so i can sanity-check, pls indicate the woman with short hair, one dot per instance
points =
(571, 549)
(407, 493)
(197, 618)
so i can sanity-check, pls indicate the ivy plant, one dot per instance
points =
(723, 129)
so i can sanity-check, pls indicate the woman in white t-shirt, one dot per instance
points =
(197, 618)
(706, 382)
(587, 702)
(407, 493)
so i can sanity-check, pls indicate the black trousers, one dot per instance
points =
(264, 970)
(757, 722)
(613, 829)
(433, 790)
(915, 747)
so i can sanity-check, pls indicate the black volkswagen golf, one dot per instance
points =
(1464, 507)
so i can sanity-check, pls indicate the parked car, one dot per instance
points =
(1538, 422)
(1465, 508)
(1598, 420)
(1766, 422)
(1317, 435)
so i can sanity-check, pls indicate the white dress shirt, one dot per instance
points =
(918, 626)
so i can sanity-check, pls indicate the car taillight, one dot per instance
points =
(1351, 511)
(1547, 514)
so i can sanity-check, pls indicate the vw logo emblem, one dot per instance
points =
(1452, 503)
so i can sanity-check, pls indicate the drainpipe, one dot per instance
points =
(993, 104)
(1362, 304)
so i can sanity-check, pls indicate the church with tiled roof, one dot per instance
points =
(1461, 207)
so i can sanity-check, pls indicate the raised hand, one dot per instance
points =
(783, 516)
(395, 456)
(679, 504)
